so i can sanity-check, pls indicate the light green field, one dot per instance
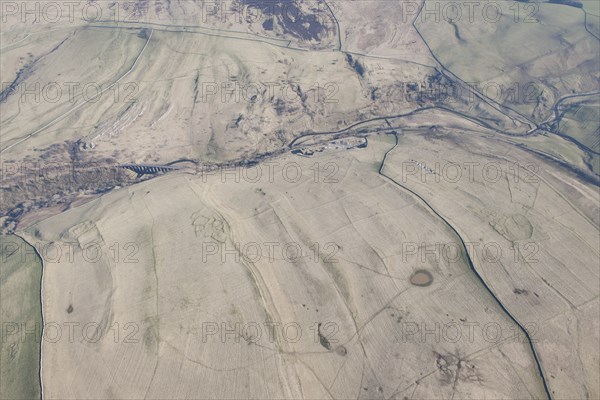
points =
(20, 274)
(591, 6)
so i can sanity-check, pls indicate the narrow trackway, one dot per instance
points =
(337, 24)
(470, 118)
(471, 265)
(551, 124)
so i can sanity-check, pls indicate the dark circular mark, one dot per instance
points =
(341, 350)
(421, 277)
(70, 309)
